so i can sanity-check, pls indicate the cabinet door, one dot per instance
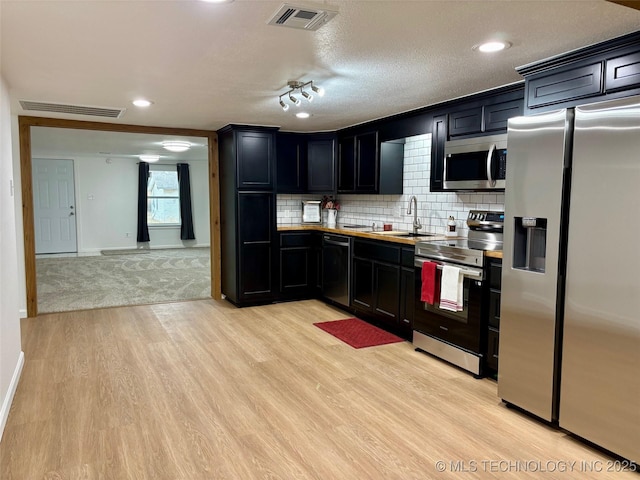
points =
(255, 227)
(295, 276)
(346, 165)
(291, 163)
(438, 139)
(321, 166)
(465, 122)
(386, 291)
(407, 298)
(362, 284)
(391, 168)
(367, 155)
(496, 116)
(623, 72)
(492, 349)
(255, 160)
(563, 86)
(256, 272)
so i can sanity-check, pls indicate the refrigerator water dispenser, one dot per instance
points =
(530, 244)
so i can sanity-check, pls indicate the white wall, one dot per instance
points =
(434, 208)
(106, 212)
(11, 356)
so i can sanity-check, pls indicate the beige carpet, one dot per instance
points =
(78, 283)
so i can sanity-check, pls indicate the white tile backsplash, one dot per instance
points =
(434, 209)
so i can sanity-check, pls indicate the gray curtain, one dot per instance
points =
(143, 177)
(186, 216)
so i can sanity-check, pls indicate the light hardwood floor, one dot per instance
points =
(202, 390)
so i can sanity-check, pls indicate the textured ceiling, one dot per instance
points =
(206, 65)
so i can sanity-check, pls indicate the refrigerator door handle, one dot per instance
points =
(492, 150)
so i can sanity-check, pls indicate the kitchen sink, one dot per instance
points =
(400, 233)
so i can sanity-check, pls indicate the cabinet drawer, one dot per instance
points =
(408, 255)
(377, 251)
(564, 86)
(623, 72)
(495, 275)
(296, 239)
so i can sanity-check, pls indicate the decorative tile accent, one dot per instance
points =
(434, 209)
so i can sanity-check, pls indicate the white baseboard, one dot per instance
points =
(8, 399)
(22, 312)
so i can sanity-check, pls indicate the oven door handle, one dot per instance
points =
(464, 271)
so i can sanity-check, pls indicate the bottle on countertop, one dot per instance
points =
(451, 227)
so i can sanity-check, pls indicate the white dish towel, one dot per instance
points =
(451, 288)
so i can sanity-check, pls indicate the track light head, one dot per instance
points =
(318, 90)
(308, 96)
(294, 100)
(284, 106)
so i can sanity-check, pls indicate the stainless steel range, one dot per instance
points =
(458, 337)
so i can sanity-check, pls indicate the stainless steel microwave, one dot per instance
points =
(478, 163)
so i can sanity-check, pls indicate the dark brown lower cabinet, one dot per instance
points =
(493, 332)
(299, 265)
(382, 287)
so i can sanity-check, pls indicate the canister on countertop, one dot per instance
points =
(451, 227)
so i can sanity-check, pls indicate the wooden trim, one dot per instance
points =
(635, 4)
(26, 122)
(214, 214)
(24, 128)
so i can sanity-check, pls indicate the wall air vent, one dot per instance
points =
(71, 109)
(302, 18)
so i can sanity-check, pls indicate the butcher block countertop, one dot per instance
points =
(365, 232)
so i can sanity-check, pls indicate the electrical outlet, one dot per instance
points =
(400, 211)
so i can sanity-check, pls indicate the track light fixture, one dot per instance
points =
(299, 86)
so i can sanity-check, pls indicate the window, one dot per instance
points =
(163, 192)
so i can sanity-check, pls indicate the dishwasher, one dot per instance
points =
(336, 269)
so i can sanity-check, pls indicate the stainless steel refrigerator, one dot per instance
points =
(570, 312)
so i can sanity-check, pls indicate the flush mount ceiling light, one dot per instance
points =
(299, 87)
(149, 158)
(217, 1)
(141, 102)
(302, 115)
(492, 46)
(176, 145)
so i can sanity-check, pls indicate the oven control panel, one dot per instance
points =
(486, 220)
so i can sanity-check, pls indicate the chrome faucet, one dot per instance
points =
(416, 221)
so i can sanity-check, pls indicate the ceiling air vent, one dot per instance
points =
(302, 18)
(72, 109)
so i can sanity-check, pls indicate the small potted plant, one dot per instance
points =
(332, 206)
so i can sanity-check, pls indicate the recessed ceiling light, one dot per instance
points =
(149, 158)
(141, 102)
(302, 115)
(176, 145)
(493, 46)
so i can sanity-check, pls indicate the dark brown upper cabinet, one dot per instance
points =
(255, 160)
(604, 71)
(321, 164)
(358, 162)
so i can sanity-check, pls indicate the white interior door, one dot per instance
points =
(54, 206)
